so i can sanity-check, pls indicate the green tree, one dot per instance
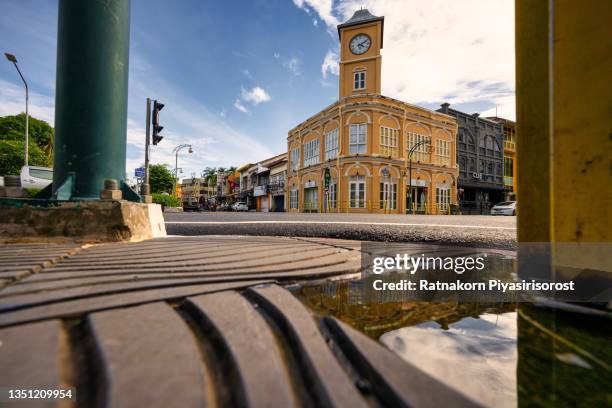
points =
(166, 200)
(160, 178)
(12, 135)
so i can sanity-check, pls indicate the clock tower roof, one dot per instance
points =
(361, 16)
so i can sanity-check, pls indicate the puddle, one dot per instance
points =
(499, 354)
(483, 350)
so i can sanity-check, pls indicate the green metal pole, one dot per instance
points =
(91, 94)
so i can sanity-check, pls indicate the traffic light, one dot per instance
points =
(156, 128)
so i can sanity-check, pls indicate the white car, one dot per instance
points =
(505, 208)
(36, 177)
(240, 206)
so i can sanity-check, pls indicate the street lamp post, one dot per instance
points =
(12, 59)
(412, 149)
(176, 152)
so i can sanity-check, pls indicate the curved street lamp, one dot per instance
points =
(176, 151)
(13, 59)
(412, 150)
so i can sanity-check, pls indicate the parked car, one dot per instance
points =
(240, 206)
(505, 208)
(191, 204)
(36, 177)
(224, 207)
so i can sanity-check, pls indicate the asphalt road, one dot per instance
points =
(474, 231)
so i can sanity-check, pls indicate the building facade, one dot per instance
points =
(262, 184)
(276, 186)
(480, 158)
(196, 190)
(509, 156)
(353, 156)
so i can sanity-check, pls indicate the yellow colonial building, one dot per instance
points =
(509, 156)
(353, 156)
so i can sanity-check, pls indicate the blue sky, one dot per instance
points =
(236, 76)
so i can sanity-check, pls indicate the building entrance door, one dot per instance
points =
(311, 200)
(419, 200)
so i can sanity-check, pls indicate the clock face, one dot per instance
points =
(360, 44)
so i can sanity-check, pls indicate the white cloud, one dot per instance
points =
(12, 102)
(324, 8)
(256, 95)
(433, 52)
(330, 64)
(276, 55)
(315, 22)
(293, 65)
(238, 105)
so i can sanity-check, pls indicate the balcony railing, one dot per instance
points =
(510, 146)
(276, 187)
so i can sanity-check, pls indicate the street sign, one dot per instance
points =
(327, 177)
(139, 172)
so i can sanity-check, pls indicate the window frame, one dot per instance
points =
(388, 188)
(389, 141)
(357, 145)
(421, 153)
(295, 159)
(359, 80)
(443, 198)
(312, 152)
(332, 149)
(443, 152)
(294, 199)
(357, 192)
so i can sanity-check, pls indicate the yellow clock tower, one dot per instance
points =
(361, 39)
(366, 152)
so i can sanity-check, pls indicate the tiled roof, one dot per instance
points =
(360, 17)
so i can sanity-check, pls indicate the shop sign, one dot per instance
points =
(259, 191)
(310, 184)
(418, 183)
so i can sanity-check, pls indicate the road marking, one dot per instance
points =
(341, 223)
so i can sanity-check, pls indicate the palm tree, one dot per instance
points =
(210, 176)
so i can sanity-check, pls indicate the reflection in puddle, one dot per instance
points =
(477, 356)
(500, 354)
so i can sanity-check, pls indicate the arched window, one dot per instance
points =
(471, 145)
(481, 146)
(497, 149)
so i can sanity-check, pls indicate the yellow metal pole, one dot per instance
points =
(564, 148)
